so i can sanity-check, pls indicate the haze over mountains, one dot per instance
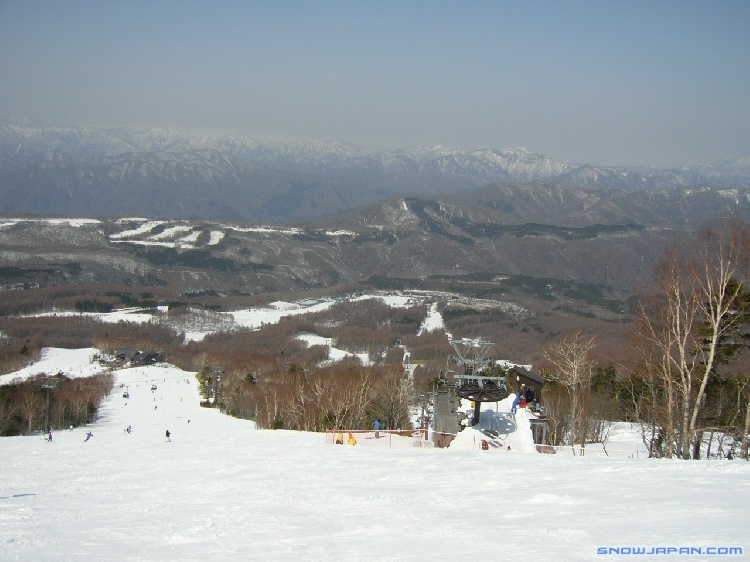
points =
(423, 217)
(160, 173)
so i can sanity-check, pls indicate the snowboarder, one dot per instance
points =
(376, 427)
(168, 435)
(89, 435)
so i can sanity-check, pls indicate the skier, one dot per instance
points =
(168, 434)
(89, 435)
(49, 437)
(376, 427)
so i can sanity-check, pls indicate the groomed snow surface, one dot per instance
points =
(222, 490)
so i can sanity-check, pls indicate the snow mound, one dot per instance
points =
(499, 426)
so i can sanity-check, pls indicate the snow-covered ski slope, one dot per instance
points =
(222, 490)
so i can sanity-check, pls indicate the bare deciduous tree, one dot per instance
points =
(722, 259)
(685, 318)
(393, 395)
(30, 407)
(573, 369)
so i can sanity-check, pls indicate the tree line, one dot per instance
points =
(686, 379)
(72, 402)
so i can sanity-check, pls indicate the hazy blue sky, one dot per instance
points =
(630, 82)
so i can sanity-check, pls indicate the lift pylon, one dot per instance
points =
(477, 383)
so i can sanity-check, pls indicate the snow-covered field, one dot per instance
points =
(334, 354)
(222, 490)
(257, 317)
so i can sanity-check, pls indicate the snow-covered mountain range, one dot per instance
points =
(158, 172)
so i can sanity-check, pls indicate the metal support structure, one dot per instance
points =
(540, 421)
(473, 354)
(216, 372)
(423, 404)
(477, 383)
(49, 384)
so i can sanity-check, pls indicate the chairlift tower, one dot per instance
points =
(472, 354)
(214, 381)
(477, 384)
(49, 384)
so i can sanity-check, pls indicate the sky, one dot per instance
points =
(631, 83)
(220, 489)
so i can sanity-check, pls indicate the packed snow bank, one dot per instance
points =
(499, 426)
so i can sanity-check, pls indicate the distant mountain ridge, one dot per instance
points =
(163, 173)
(609, 239)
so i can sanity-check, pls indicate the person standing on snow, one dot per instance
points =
(515, 403)
(168, 434)
(376, 426)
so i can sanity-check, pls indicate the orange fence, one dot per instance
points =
(385, 438)
(389, 438)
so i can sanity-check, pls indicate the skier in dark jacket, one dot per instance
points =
(168, 434)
